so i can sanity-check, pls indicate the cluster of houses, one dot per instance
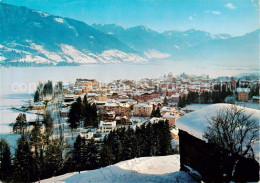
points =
(123, 102)
(129, 103)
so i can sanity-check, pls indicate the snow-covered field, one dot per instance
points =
(145, 169)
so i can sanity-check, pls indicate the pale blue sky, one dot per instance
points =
(235, 17)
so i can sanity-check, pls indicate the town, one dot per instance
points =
(93, 117)
(127, 103)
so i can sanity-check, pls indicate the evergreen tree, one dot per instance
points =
(54, 158)
(106, 155)
(24, 162)
(48, 123)
(36, 96)
(78, 153)
(150, 148)
(153, 112)
(5, 161)
(165, 101)
(92, 155)
(158, 113)
(165, 138)
(75, 114)
(20, 125)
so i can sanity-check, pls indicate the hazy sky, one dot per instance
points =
(235, 17)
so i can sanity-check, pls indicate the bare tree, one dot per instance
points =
(233, 128)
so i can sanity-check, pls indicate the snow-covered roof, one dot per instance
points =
(247, 90)
(256, 97)
(142, 105)
(195, 122)
(167, 109)
(155, 120)
(170, 115)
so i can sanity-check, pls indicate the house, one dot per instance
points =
(118, 108)
(69, 98)
(65, 112)
(256, 99)
(167, 109)
(38, 106)
(145, 97)
(243, 94)
(86, 134)
(101, 98)
(108, 115)
(107, 126)
(122, 120)
(171, 117)
(143, 109)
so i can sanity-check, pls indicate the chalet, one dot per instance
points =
(243, 94)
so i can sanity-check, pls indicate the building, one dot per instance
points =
(171, 117)
(101, 98)
(108, 115)
(256, 99)
(145, 97)
(143, 109)
(243, 94)
(65, 112)
(107, 126)
(167, 110)
(118, 108)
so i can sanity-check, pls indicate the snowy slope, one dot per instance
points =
(33, 37)
(145, 169)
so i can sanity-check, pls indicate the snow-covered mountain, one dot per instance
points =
(31, 36)
(146, 169)
(144, 39)
(190, 45)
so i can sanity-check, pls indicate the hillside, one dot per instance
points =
(31, 36)
(146, 169)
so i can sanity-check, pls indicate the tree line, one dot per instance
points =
(122, 144)
(218, 95)
(39, 156)
(47, 89)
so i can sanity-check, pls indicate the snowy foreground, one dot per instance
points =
(145, 169)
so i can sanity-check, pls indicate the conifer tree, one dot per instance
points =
(5, 161)
(92, 155)
(165, 101)
(24, 162)
(36, 96)
(20, 125)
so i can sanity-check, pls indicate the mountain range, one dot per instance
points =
(32, 37)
